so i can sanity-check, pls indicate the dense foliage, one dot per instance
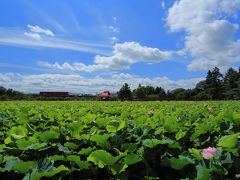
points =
(125, 92)
(10, 94)
(109, 140)
(216, 86)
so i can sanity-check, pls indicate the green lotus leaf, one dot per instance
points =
(229, 142)
(76, 159)
(151, 143)
(115, 125)
(36, 175)
(71, 145)
(18, 132)
(131, 159)
(103, 158)
(57, 158)
(47, 136)
(181, 162)
(101, 140)
(10, 162)
(85, 151)
(23, 167)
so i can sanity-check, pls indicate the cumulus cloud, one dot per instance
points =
(123, 56)
(230, 7)
(37, 32)
(209, 36)
(78, 84)
(6, 78)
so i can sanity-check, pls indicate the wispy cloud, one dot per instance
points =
(51, 21)
(33, 35)
(15, 37)
(38, 30)
(113, 29)
(16, 66)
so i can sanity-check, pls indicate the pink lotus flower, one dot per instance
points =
(209, 152)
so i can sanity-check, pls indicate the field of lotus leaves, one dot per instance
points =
(120, 140)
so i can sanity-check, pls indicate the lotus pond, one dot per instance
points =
(120, 140)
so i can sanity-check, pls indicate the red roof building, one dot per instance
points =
(106, 95)
(54, 94)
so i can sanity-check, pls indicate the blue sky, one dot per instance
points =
(90, 46)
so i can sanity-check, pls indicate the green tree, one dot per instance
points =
(200, 93)
(231, 84)
(125, 92)
(149, 90)
(140, 92)
(161, 92)
(10, 94)
(179, 94)
(2, 90)
(157, 90)
(214, 84)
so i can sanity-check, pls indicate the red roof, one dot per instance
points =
(105, 95)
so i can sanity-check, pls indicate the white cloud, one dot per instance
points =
(33, 35)
(78, 84)
(16, 66)
(123, 76)
(39, 30)
(114, 39)
(16, 37)
(6, 78)
(36, 32)
(209, 36)
(123, 56)
(230, 6)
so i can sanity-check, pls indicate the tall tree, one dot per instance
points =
(231, 84)
(179, 94)
(125, 92)
(214, 84)
(161, 92)
(2, 90)
(140, 92)
(149, 90)
(200, 93)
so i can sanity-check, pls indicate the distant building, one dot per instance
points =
(54, 94)
(106, 95)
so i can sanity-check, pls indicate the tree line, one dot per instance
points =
(10, 94)
(216, 86)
